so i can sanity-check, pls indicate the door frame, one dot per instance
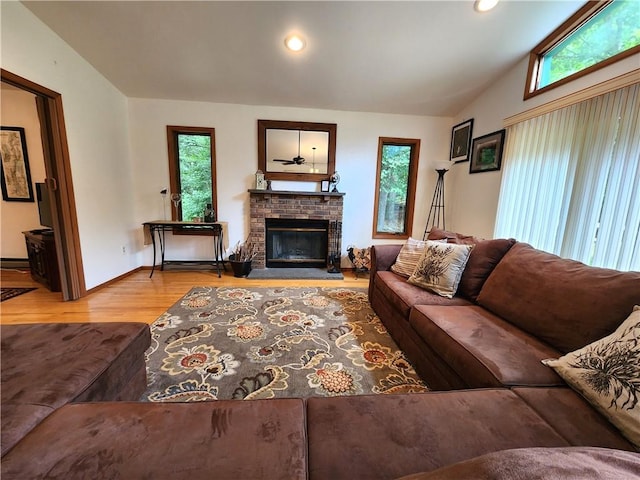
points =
(58, 170)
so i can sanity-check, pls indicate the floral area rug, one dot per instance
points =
(239, 343)
(10, 292)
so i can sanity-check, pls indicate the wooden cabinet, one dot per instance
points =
(43, 261)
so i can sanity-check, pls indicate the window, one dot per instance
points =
(192, 170)
(571, 182)
(395, 187)
(597, 35)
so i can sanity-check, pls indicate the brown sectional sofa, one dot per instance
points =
(60, 417)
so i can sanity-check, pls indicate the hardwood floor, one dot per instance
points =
(135, 298)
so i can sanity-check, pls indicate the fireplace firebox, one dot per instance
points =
(296, 242)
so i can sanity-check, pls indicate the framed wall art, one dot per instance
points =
(16, 177)
(486, 152)
(461, 135)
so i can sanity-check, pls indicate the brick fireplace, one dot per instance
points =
(275, 204)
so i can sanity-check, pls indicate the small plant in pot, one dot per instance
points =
(241, 257)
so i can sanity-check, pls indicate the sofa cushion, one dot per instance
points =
(483, 259)
(573, 417)
(90, 361)
(607, 374)
(408, 257)
(562, 302)
(483, 349)
(403, 295)
(440, 267)
(569, 463)
(387, 436)
(221, 439)
(18, 420)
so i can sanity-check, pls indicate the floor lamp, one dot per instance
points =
(436, 212)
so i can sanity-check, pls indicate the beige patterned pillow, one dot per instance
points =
(408, 257)
(440, 267)
(607, 373)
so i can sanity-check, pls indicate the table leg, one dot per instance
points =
(153, 241)
(217, 250)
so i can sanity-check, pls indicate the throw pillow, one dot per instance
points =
(607, 373)
(452, 237)
(408, 257)
(440, 267)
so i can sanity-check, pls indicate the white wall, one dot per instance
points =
(474, 198)
(237, 162)
(18, 109)
(97, 132)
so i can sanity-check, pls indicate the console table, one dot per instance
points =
(157, 228)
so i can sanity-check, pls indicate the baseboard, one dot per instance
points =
(114, 280)
(18, 263)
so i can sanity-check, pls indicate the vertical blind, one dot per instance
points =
(571, 181)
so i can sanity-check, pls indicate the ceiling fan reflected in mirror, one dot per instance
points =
(298, 160)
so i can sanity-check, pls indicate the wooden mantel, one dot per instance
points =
(325, 195)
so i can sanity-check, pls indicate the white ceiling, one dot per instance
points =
(424, 58)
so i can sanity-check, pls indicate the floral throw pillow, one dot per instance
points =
(607, 374)
(440, 267)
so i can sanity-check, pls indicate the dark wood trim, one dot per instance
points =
(574, 22)
(411, 186)
(264, 125)
(59, 180)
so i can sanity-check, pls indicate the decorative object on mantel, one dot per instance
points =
(461, 135)
(486, 153)
(335, 180)
(436, 212)
(324, 185)
(335, 256)
(241, 257)
(260, 182)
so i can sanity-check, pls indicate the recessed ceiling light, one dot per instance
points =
(295, 42)
(484, 5)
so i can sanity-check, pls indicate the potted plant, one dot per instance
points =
(241, 257)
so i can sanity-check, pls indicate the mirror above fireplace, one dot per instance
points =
(301, 151)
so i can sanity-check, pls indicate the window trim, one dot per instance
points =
(411, 186)
(584, 14)
(174, 177)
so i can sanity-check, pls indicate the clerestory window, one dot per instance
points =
(598, 34)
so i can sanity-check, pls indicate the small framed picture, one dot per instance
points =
(486, 153)
(461, 135)
(324, 185)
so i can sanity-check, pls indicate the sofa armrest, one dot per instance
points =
(383, 256)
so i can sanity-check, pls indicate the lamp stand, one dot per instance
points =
(436, 212)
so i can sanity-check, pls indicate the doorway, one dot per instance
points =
(59, 182)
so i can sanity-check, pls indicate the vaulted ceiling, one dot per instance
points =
(423, 58)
